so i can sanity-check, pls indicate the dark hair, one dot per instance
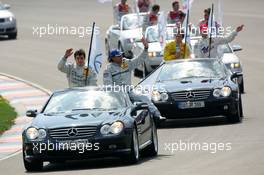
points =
(175, 2)
(208, 10)
(155, 7)
(79, 53)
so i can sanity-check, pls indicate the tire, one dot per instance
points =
(237, 117)
(35, 165)
(133, 157)
(107, 48)
(12, 36)
(241, 87)
(152, 149)
(138, 73)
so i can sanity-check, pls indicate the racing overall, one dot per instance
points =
(76, 74)
(201, 48)
(116, 75)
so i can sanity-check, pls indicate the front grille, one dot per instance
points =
(2, 20)
(63, 133)
(191, 95)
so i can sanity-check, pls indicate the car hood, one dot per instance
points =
(93, 118)
(5, 14)
(230, 58)
(191, 84)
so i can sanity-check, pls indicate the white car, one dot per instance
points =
(7, 22)
(229, 58)
(123, 36)
(155, 50)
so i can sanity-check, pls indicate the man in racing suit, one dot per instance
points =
(144, 5)
(121, 9)
(76, 73)
(175, 15)
(201, 48)
(118, 73)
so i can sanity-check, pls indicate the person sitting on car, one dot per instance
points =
(175, 15)
(76, 73)
(176, 49)
(121, 9)
(118, 73)
(201, 48)
(144, 5)
(153, 15)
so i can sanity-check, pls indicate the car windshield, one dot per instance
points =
(84, 100)
(130, 22)
(191, 69)
(2, 7)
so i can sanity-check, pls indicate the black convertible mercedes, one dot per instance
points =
(195, 88)
(83, 123)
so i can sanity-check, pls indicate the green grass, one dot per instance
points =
(7, 115)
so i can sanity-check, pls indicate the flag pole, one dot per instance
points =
(89, 54)
(187, 28)
(210, 38)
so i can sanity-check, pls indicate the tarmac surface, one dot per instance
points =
(35, 59)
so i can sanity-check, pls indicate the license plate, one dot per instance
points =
(71, 143)
(190, 105)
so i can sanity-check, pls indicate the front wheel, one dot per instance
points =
(152, 149)
(34, 165)
(238, 115)
(133, 157)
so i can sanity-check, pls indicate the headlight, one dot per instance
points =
(32, 133)
(42, 133)
(235, 65)
(224, 92)
(105, 129)
(10, 19)
(157, 96)
(115, 128)
(152, 54)
(130, 40)
(217, 93)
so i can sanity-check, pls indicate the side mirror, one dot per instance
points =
(236, 48)
(31, 113)
(138, 106)
(236, 75)
(116, 28)
(7, 6)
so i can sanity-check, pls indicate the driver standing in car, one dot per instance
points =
(118, 73)
(76, 73)
(121, 9)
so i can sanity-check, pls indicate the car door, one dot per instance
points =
(143, 121)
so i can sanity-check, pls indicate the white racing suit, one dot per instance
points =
(76, 74)
(116, 75)
(201, 48)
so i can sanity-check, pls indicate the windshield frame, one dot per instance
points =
(123, 96)
(223, 70)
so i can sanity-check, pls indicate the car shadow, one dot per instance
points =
(195, 122)
(95, 164)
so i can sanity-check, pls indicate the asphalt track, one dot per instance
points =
(35, 59)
